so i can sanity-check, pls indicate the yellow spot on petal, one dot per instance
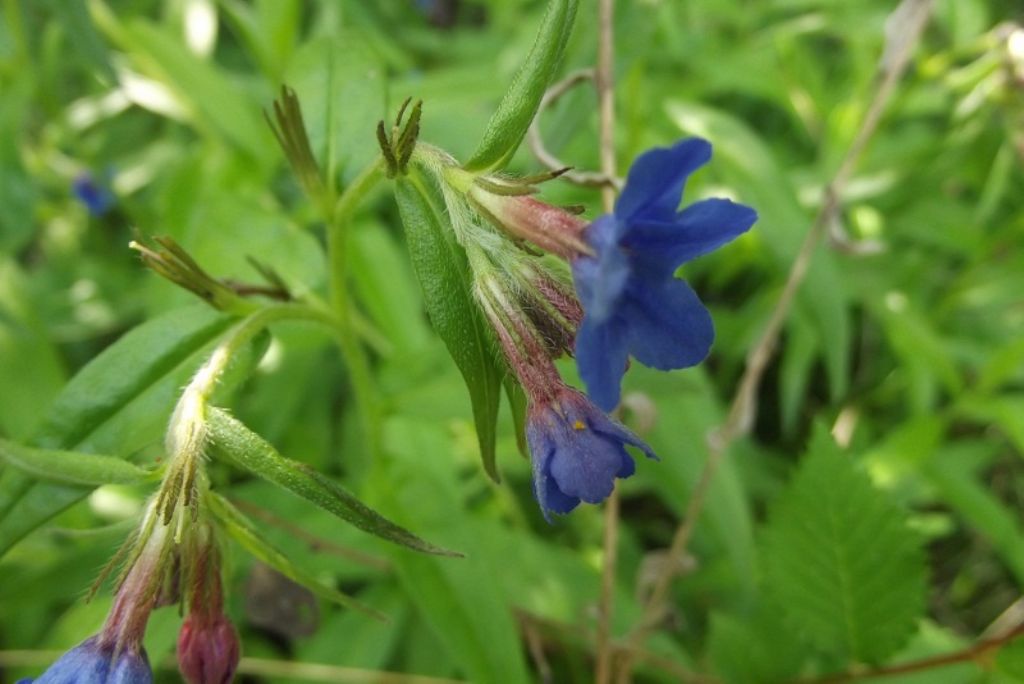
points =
(578, 425)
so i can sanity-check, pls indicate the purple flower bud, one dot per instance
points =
(577, 451)
(208, 650)
(94, 662)
(548, 227)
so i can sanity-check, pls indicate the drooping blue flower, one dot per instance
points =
(93, 663)
(96, 198)
(633, 304)
(577, 452)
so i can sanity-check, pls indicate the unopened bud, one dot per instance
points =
(208, 650)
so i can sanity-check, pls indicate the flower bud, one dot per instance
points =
(548, 227)
(208, 650)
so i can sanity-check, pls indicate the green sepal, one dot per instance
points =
(232, 440)
(444, 276)
(509, 123)
(245, 532)
(72, 467)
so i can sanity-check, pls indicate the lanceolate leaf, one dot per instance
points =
(118, 403)
(510, 122)
(234, 441)
(71, 466)
(841, 560)
(246, 533)
(443, 273)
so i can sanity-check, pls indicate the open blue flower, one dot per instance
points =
(93, 663)
(577, 452)
(633, 304)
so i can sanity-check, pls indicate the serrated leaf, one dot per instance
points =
(246, 533)
(840, 559)
(509, 123)
(231, 439)
(115, 404)
(72, 467)
(443, 274)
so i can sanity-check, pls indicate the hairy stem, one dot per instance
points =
(356, 360)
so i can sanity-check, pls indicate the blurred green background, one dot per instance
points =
(906, 340)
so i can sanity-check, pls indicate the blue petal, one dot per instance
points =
(668, 326)
(661, 247)
(601, 354)
(601, 279)
(656, 179)
(131, 668)
(545, 489)
(86, 663)
(587, 464)
(605, 425)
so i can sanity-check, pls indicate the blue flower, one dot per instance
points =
(633, 304)
(95, 197)
(577, 452)
(92, 662)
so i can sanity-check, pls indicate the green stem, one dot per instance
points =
(354, 354)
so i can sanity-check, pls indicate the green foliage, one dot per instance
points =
(71, 466)
(118, 403)
(841, 561)
(232, 440)
(906, 338)
(247, 534)
(440, 264)
(512, 118)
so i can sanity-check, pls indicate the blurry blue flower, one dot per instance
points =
(577, 451)
(95, 197)
(633, 304)
(93, 663)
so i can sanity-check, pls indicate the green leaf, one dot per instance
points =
(342, 87)
(31, 371)
(464, 602)
(212, 99)
(72, 466)
(954, 471)
(754, 648)
(508, 125)
(246, 533)
(840, 559)
(443, 273)
(234, 441)
(118, 403)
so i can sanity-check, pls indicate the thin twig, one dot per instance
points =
(743, 407)
(605, 81)
(975, 652)
(606, 608)
(540, 150)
